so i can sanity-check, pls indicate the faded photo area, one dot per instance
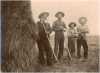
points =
(49, 36)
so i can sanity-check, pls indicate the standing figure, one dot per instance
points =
(45, 50)
(71, 38)
(59, 28)
(82, 30)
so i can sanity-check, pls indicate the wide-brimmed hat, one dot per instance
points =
(82, 18)
(56, 15)
(42, 14)
(72, 23)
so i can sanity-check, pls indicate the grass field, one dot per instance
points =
(21, 58)
(91, 65)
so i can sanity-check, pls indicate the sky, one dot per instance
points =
(73, 9)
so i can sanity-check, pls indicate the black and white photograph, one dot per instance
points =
(49, 36)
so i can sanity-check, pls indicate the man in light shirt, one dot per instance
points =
(59, 28)
(71, 38)
(81, 41)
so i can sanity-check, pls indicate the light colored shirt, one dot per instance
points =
(58, 26)
(72, 32)
(83, 30)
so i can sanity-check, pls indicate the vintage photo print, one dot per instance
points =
(49, 36)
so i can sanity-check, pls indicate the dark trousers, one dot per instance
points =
(59, 45)
(82, 42)
(45, 53)
(71, 45)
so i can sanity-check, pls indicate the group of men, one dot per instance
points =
(46, 53)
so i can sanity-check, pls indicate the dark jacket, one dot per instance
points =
(43, 30)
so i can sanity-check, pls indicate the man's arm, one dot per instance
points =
(54, 26)
(64, 25)
(86, 30)
(49, 29)
(69, 33)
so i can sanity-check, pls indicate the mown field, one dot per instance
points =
(91, 65)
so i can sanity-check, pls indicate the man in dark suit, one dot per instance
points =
(45, 50)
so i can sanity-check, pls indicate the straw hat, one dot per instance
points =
(56, 15)
(42, 14)
(83, 18)
(72, 23)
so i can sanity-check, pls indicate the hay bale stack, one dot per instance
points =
(18, 44)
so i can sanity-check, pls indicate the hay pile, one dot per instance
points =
(19, 45)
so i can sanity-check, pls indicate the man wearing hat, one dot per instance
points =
(71, 38)
(59, 28)
(83, 30)
(45, 52)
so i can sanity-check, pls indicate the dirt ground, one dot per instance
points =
(76, 65)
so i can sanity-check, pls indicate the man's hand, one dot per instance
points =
(35, 36)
